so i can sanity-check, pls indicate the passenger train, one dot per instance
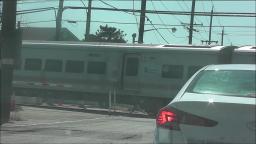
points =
(148, 76)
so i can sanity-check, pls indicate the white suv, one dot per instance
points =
(216, 106)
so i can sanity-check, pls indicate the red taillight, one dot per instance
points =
(167, 118)
(171, 118)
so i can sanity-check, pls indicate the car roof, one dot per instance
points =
(232, 67)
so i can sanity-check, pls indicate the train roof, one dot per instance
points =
(246, 49)
(127, 46)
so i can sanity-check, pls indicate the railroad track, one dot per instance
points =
(113, 112)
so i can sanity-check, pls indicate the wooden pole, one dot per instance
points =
(8, 51)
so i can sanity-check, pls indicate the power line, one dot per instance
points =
(38, 1)
(178, 2)
(114, 8)
(217, 32)
(223, 14)
(242, 35)
(169, 10)
(29, 11)
(129, 11)
(161, 18)
(188, 16)
(135, 16)
(185, 4)
(133, 13)
(219, 19)
(157, 24)
(156, 36)
(84, 4)
(157, 30)
(202, 3)
(172, 15)
(202, 22)
(130, 23)
(31, 22)
(31, 2)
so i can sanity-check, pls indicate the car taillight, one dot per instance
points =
(166, 116)
(167, 119)
(171, 118)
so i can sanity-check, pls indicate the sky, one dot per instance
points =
(163, 23)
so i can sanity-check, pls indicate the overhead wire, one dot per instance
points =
(185, 4)
(122, 11)
(169, 10)
(161, 19)
(204, 10)
(178, 2)
(173, 15)
(137, 23)
(156, 36)
(164, 24)
(132, 14)
(158, 24)
(196, 19)
(157, 30)
(31, 22)
(198, 31)
(84, 5)
(31, 2)
(185, 10)
(219, 20)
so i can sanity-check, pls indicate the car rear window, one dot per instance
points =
(225, 82)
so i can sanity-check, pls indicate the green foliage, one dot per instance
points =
(107, 34)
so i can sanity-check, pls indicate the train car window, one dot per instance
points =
(74, 66)
(53, 65)
(96, 67)
(33, 64)
(172, 71)
(132, 65)
(192, 70)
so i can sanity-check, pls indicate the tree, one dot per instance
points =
(107, 34)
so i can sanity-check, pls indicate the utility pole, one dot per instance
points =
(191, 22)
(1, 11)
(59, 20)
(210, 28)
(133, 38)
(88, 20)
(222, 36)
(8, 49)
(142, 20)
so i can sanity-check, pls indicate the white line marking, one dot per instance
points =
(53, 123)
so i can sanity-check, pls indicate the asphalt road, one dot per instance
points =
(47, 126)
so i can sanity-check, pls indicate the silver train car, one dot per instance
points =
(148, 76)
(245, 54)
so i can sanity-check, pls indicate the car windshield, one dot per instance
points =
(225, 82)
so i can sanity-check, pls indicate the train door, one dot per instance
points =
(130, 75)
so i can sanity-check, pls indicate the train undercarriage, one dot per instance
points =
(92, 99)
